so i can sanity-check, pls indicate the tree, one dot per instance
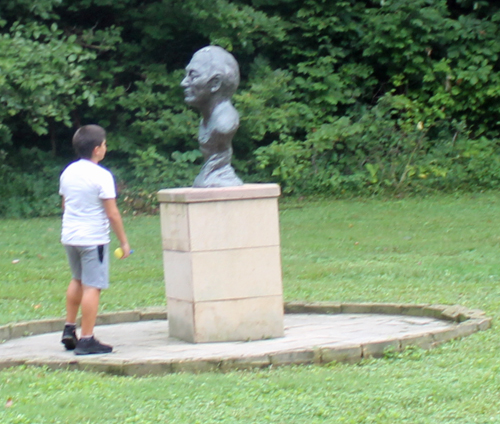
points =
(335, 95)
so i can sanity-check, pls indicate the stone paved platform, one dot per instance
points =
(144, 346)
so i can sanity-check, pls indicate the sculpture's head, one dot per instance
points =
(212, 73)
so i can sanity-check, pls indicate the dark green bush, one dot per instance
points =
(336, 97)
(150, 171)
(29, 184)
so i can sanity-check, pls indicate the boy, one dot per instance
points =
(89, 204)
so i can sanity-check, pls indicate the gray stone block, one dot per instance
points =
(118, 317)
(154, 367)
(195, 366)
(425, 341)
(296, 357)
(153, 314)
(326, 307)
(19, 330)
(350, 354)
(415, 310)
(377, 349)
(249, 363)
(312, 307)
(443, 336)
(467, 328)
(476, 312)
(295, 308)
(484, 324)
(9, 363)
(434, 311)
(385, 308)
(45, 326)
(461, 330)
(4, 333)
(109, 367)
(356, 308)
(53, 364)
(453, 313)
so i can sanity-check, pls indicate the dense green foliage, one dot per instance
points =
(336, 96)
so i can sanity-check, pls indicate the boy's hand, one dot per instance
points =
(126, 250)
(115, 219)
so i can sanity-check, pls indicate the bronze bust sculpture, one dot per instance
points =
(212, 77)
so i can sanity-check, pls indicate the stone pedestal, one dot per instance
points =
(222, 262)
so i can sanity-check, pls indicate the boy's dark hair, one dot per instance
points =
(86, 139)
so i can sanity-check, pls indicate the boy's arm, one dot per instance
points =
(115, 219)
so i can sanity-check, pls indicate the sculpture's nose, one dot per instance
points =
(184, 82)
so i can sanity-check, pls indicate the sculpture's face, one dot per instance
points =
(198, 82)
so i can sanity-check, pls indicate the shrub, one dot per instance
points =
(29, 184)
(152, 171)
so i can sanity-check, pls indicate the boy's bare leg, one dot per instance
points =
(73, 300)
(90, 307)
(87, 344)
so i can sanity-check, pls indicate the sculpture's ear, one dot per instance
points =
(215, 83)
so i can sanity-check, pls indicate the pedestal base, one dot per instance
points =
(222, 263)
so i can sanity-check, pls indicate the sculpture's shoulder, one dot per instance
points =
(225, 118)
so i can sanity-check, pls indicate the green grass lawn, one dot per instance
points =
(441, 249)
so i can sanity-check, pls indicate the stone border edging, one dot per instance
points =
(33, 328)
(468, 322)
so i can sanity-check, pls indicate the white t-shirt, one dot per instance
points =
(84, 184)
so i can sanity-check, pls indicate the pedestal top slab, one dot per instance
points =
(196, 195)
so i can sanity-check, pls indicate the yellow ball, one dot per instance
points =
(119, 253)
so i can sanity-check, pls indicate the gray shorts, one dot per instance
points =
(90, 264)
